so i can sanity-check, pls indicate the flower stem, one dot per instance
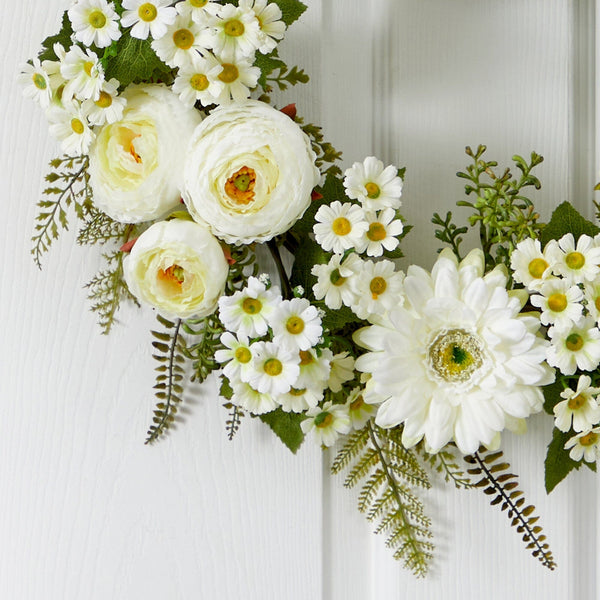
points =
(286, 286)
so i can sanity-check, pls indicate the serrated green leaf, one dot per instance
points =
(62, 37)
(225, 391)
(308, 254)
(291, 10)
(267, 63)
(558, 463)
(286, 426)
(552, 396)
(565, 219)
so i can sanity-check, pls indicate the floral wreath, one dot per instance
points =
(177, 161)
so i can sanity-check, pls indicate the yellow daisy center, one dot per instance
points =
(576, 402)
(77, 126)
(147, 12)
(183, 38)
(229, 73)
(341, 226)
(377, 286)
(557, 302)
(295, 325)
(376, 232)
(455, 355)
(104, 100)
(242, 355)
(199, 82)
(240, 186)
(297, 392)
(589, 439)
(39, 81)
(88, 65)
(324, 419)
(574, 342)
(234, 28)
(306, 358)
(97, 19)
(373, 190)
(575, 260)
(537, 267)
(272, 367)
(198, 3)
(336, 278)
(358, 403)
(251, 306)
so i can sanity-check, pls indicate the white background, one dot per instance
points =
(88, 511)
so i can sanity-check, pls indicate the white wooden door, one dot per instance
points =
(88, 511)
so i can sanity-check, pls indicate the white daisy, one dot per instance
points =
(327, 422)
(238, 76)
(52, 68)
(575, 347)
(36, 83)
(235, 33)
(382, 231)
(94, 22)
(529, 264)
(181, 42)
(247, 311)
(340, 227)
(580, 407)
(200, 11)
(198, 80)
(84, 75)
(297, 323)
(333, 280)
(591, 292)
(456, 358)
(576, 263)
(559, 302)
(358, 410)
(342, 370)
(109, 106)
(374, 186)
(255, 402)
(585, 445)
(299, 399)
(269, 16)
(314, 368)
(274, 368)
(237, 355)
(378, 288)
(71, 127)
(148, 17)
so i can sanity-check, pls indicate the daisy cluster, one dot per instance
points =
(210, 46)
(564, 282)
(367, 224)
(275, 356)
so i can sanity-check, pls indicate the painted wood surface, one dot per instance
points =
(87, 511)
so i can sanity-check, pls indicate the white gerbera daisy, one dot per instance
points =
(575, 347)
(314, 368)
(235, 33)
(576, 263)
(148, 17)
(342, 370)
(382, 232)
(456, 358)
(340, 227)
(274, 368)
(378, 288)
(299, 399)
(269, 16)
(94, 22)
(181, 42)
(84, 75)
(71, 127)
(580, 407)
(247, 311)
(36, 83)
(237, 354)
(238, 77)
(358, 410)
(529, 264)
(198, 80)
(255, 402)
(328, 422)
(109, 106)
(297, 323)
(585, 445)
(200, 11)
(591, 292)
(374, 186)
(560, 303)
(333, 280)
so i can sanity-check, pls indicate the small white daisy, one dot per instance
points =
(235, 33)
(358, 410)
(579, 408)
(333, 280)
(591, 292)
(84, 75)
(247, 311)
(382, 232)
(200, 11)
(148, 17)
(237, 355)
(340, 227)
(255, 402)
(378, 288)
(342, 370)
(297, 323)
(576, 347)
(299, 399)
(71, 127)
(36, 83)
(272, 28)
(576, 263)
(328, 422)
(585, 445)
(274, 368)
(529, 264)
(109, 106)
(52, 68)
(94, 22)
(198, 80)
(559, 302)
(374, 186)
(182, 40)
(314, 368)
(238, 78)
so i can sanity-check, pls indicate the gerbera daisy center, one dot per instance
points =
(240, 186)
(104, 100)
(234, 28)
(199, 82)
(455, 355)
(575, 260)
(324, 419)
(251, 306)
(242, 355)
(373, 190)
(589, 439)
(294, 325)
(273, 367)
(376, 232)
(537, 267)
(229, 73)
(39, 81)
(336, 278)
(377, 286)
(574, 342)
(97, 19)
(341, 226)
(557, 302)
(576, 402)
(77, 126)
(183, 38)
(147, 12)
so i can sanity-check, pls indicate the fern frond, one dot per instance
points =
(243, 266)
(202, 352)
(445, 463)
(326, 153)
(354, 444)
(505, 493)
(99, 228)
(233, 422)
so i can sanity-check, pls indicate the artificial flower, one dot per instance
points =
(560, 303)
(341, 371)
(249, 173)
(585, 445)
(574, 347)
(84, 74)
(373, 185)
(70, 126)
(359, 411)
(235, 32)
(237, 355)
(198, 80)
(109, 106)
(36, 83)
(200, 11)
(591, 292)
(579, 407)
(250, 399)
(327, 422)
(315, 368)
(182, 41)
(340, 227)
(275, 368)
(238, 76)
(297, 323)
(94, 22)
(299, 400)
(575, 262)
(382, 232)
(272, 28)
(529, 264)
(148, 17)
(334, 280)
(178, 267)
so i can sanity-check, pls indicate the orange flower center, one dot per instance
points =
(240, 186)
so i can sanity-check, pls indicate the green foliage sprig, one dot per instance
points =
(389, 472)
(99, 228)
(202, 351)
(502, 486)
(274, 71)
(445, 463)
(326, 153)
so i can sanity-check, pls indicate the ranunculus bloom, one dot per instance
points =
(249, 173)
(136, 163)
(178, 267)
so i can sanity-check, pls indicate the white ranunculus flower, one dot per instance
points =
(178, 267)
(136, 163)
(249, 172)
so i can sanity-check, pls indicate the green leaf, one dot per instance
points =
(267, 63)
(558, 463)
(566, 219)
(308, 254)
(552, 395)
(334, 320)
(225, 391)
(291, 10)
(62, 37)
(286, 426)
